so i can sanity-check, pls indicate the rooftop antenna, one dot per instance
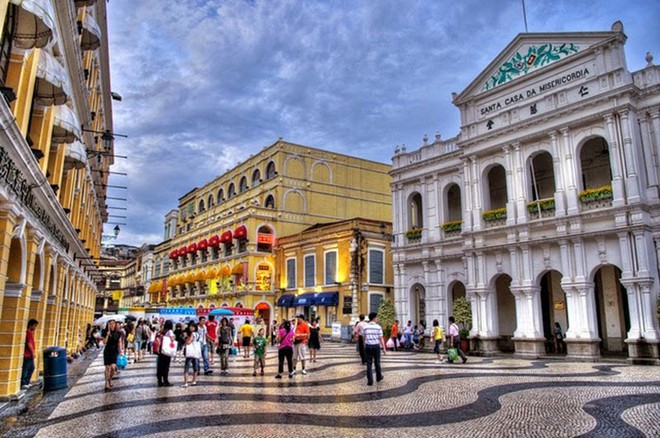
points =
(525, 15)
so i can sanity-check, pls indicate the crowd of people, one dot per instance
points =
(197, 344)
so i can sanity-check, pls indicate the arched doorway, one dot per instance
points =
(417, 303)
(262, 310)
(506, 313)
(456, 291)
(595, 164)
(553, 310)
(611, 310)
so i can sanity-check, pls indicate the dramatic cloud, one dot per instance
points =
(207, 83)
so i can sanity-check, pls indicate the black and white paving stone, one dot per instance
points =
(486, 397)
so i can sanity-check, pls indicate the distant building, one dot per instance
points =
(226, 232)
(545, 209)
(56, 148)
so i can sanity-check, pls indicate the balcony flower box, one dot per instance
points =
(414, 235)
(453, 226)
(542, 205)
(494, 215)
(592, 195)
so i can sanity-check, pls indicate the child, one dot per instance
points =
(259, 352)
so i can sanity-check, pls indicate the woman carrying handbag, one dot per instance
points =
(193, 352)
(165, 345)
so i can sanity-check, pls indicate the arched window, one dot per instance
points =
(201, 206)
(595, 162)
(415, 211)
(496, 198)
(210, 201)
(454, 209)
(231, 191)
(221, 196)
(242, 185)
(270, 202)
(256, 177)
(542, 176)
(270, 170)
(265, 239)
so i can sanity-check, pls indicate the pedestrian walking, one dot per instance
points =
(225, 341)
(560, 345)
(394, 334)
(163, 362)
(315, 340)
(193, 352)
(455, 340)
(360, 339)
(247, 332)
(28, 354)
(112, 338)
(202, 330)
(138, 340)
(301, 339)
(437, 339)
(259, 351)
(407, 335)
(179, 336)
(285, 339)
(211, 337)
(373, 344)
(273, 333)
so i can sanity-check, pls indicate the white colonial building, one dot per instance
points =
(545, 208)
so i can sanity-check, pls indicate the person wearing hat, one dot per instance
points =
(301, 336)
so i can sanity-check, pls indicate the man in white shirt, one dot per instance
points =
(455, 340)
(202, 330)
(374, 343)
(360, 339)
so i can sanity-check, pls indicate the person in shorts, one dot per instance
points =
(301, 337)
(247, 332)
(260, 351)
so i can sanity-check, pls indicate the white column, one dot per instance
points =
(655, 121)
(519, 184)
(477, 193)
(569, 166)
(521, 313)
(440, 310)
(560, 195)
(466, 193)
(536, 312)
(629, 151)
(510, 186)
(616, 163)
(490, 327)
(650, 158)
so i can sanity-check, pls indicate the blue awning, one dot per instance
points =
(305, 300)
(286, 301)
(327, 299)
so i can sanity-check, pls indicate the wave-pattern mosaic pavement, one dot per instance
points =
(486, 397)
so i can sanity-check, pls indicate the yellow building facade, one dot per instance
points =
(222, 250)
(54, 81)
(334, 271)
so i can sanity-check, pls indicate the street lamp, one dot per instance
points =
(114, 235)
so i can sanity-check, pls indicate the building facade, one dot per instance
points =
(55, 107)
(222, 252)
(544, 209)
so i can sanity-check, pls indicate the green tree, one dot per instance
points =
(386, 316)
(462, 312)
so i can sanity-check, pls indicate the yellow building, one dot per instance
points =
(222, 249)
(54, 80)
(335, 271)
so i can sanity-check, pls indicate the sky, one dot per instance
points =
(207, 83)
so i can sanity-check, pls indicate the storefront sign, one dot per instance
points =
(263, 277)
(265, 238)
(535, 90)
(559, 305)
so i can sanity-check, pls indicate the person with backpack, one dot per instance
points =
(455, 340)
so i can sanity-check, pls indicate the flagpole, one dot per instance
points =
(524, 15)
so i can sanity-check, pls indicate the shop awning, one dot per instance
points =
(202, 244)
(214, 240)
(237, 269)
(90, 38)
(225, 237)
(200, 275)
(226, 270)
(75, 156)
(305, 300)
(262, 306)
(240, 233)
(66, 127)
(35, 23)
(192, 247)
(183, 251)
(211, 274)
(174, 254)
(52, 86)
(327, 299)
(286, 301)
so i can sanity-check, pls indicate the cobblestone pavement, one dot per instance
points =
(486, 397)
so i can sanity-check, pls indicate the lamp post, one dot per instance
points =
(114, 235)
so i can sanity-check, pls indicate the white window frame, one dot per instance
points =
(295, 273)
(305, 257)
(382, 251)
(325, 267)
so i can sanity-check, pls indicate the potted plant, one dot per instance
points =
(597, 194)
(462, 312)
(448, 227)
(542, 205)
(414, 234)
(386, 316)
(495, 214)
